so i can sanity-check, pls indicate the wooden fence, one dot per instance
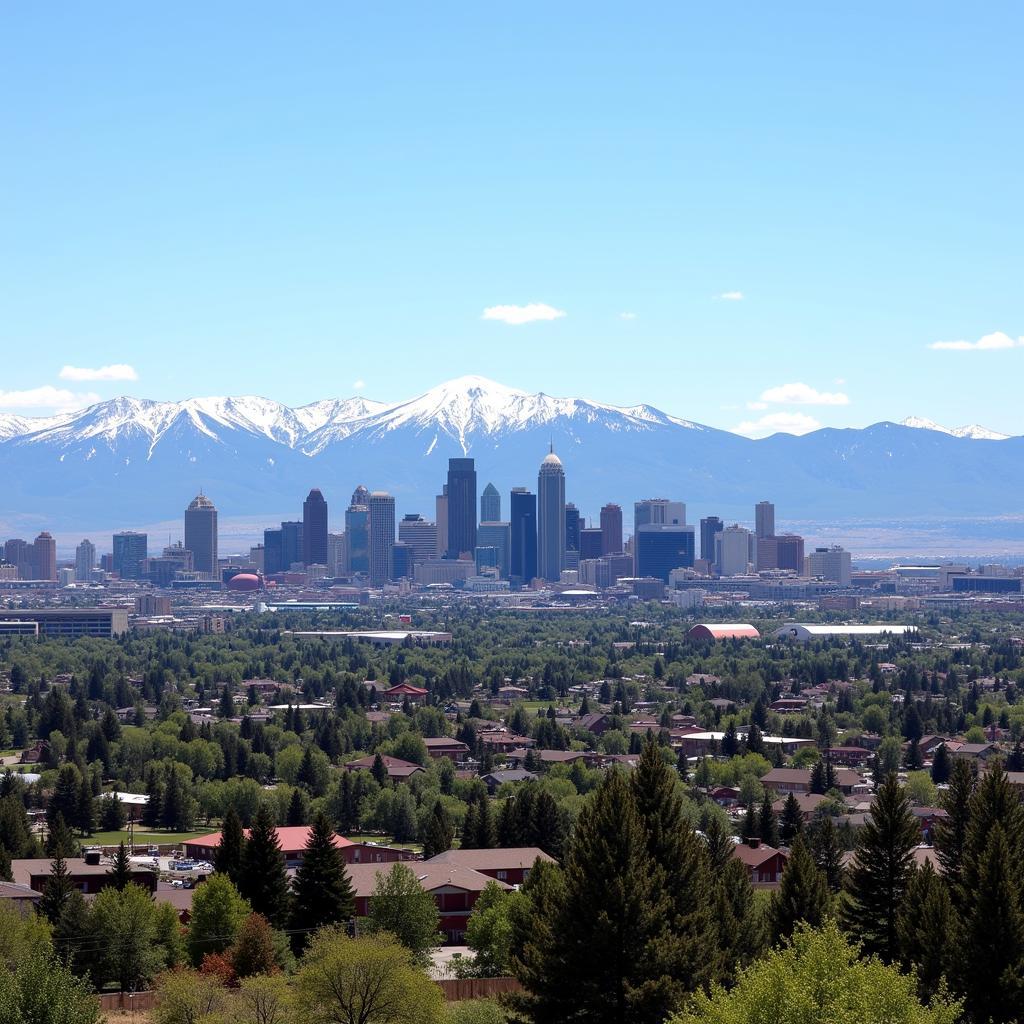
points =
(127, 1001)
(457, 989)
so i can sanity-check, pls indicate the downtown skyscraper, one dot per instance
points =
(314, 529)
(461, 507)
(382, 536)
(201, 534)
(551, 518)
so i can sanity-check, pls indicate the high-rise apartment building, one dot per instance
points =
(764, 519)
(461, 507)
(201, 534)
(421, 536)
(551, 518)
(611, 529)
(337, 554)
(783, 552)
(829, 564)
(710, 528)
(291, 543)
(44, 557)
(85, 561)
(441, 518)
(734, 551)
(21, 555)
(490, 505)
(523, 544)
(381, 506)
(130, 548)
(314, 529)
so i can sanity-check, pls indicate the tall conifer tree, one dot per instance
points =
(263, 880)
(880, 872)
(802, 894)
(323, 892)
(227, 858)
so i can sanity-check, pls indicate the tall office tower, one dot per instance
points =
(764, 519)
(734, 551)
(441, 518)
(256, 559)
(830, 564)
(273, 551)
(660, 548)
(381, 507)
(336, 554)
(201, 533)
(591, 541)
(710, 527)
(523, 543)
(85, 561)
(357, 530)
(20, 553)
(461, 493)
(130, 548)
(499, 536)
(789, 552)
(314, 529)
(421, 536)
(611, 529)
(291, 543)
(44, 557)
(572, 527)
(401, 561)
(551, 518)
(490, 505)
(658, 512)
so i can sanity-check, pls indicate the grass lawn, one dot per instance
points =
(142, 838)
(385, 841)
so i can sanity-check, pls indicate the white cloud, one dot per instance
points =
(731, 296)
(359, 385)
(756, 406)
(627, 316)
(523, 314)
(803, 394)
(116, 371)
(47, 398)
(775, 422)
(986, 343)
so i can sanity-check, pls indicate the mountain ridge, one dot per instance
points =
(137, 460)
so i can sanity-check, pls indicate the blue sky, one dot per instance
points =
(302, 203)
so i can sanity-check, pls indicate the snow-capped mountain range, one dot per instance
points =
(131, 461)
(974, 431)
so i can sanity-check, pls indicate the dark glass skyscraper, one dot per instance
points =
(461, 507)
(710, 526)
(381, 507)
(130, 548)
(490, 505)
(273, 551)
(357, 531)
(201, 534)
(551, 518)
(523, 543)
(661, 548)
(572, 528)
(291, 544)
(314, 529)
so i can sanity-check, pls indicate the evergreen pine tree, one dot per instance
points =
(56, 890)
(990, 958)
(6, 873)
(60, 842)
(925, 929)
(683, 766)
(751, 826)
(120, 873)
(767, 822)
(439, 833)
(951, 832)
(680, 860)
(323, 892)
(818, 778)
(802, 895)
(741, 931)
(878, 877)
(827, 851)
(379, 770)
(307, 771)
(486, 833)
(227, 857)
(719, 846)
(263, 880)
(940, 765)
(602, 928)
(792, 823)
(297, 808)
(171, 811)
(548, 826)
(469, 827)
(85, 814)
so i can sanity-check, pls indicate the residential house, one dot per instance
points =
(798, 780)
(447, 746)
(494, 780)
(397, 769)
(764, 863)
(88, 874)
(511, 864)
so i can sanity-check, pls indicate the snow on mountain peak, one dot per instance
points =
(972, 431)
